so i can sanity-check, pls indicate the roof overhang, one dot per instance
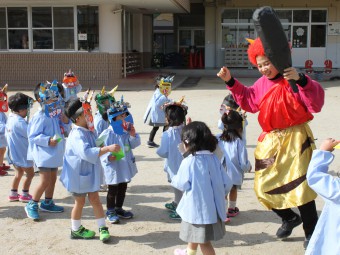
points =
(140, 6)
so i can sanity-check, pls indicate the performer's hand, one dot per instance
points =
(224, 74)
(291, 73)
(328, 144)
(188, 120)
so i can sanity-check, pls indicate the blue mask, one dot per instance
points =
(121, 127)
(53, 110)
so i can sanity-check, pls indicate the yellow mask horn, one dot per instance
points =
(113, 91)
(102, 92)
(4, 89)
(251, 41)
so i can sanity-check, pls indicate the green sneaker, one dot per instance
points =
(82, 233)
(104, 234)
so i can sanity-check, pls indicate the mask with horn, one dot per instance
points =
(104, 99)
(3, 99)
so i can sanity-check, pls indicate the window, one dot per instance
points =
(3, 34)
(300, 16)
(237, 25)
(300, 36)
(17, 27)
(185, 38)
(51, 28)
(42, 28)
(318, 36)
(230, 16)
(285, 16)
(63, 28)
(88, 25)
(246, 16)
(319, 15)
(199, 38)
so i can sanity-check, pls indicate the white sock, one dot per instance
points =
(14, 193)
(232, 204)
(101, 222)
(227, 203)
(75, 224)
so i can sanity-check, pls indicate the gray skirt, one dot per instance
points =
(197, 233)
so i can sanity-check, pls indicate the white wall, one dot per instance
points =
(110, 29)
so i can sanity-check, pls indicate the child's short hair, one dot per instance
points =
(175, 115)
(197, 137)
(233, 126)
(37, 89)
(230, 101)
(73, 109)
(18, 101)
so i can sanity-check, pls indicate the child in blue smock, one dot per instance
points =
(119, 168)
(71, 86)
(3, 120)
(175, 116)
(16, 134)
(229, 103)
(204, 183)
(81, 172)
(46, 144)
(325, 238)
(154, 115)
(235, 156)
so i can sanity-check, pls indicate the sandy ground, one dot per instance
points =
(151, 231)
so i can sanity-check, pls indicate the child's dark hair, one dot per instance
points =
(230, 101)
(197, 137)
(18, 101)
(233, 126)
(37, 89)
(71, 108)
(175, 115)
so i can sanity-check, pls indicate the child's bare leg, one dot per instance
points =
(207, 248)
(96, 205)
(50, 188)
(233, 194)
(77, 210)
(19, 172)
(2, 155)
(192, 246)
(29, 176)
(45, 178)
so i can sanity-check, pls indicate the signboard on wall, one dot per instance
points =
(82, 37)
(333, 28)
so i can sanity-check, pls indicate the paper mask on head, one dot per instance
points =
(86, 104)
(105, 99)
(122, 126)
(70, 80)
(50, 99)
(165, 85)
(3, 99)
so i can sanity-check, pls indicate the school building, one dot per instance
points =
(106, 40)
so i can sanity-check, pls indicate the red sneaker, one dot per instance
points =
(5, 167)
(3, 172)
(232, 212)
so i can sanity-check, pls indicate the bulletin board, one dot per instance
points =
(333, 28)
